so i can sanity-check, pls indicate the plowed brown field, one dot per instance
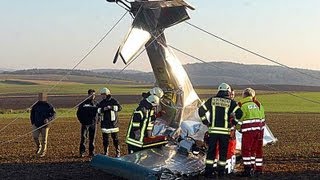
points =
(295, 156)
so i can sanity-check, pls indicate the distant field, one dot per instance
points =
(71, 92)
(61, 112)
(289, 103)
(53, 78)
(63, 89)
(273, 103)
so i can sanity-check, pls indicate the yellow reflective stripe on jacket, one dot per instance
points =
(236, 108)
(135, 124)
(134, 142)
(129, 128)
(141, 144)
(222, 163)
(151, 113)
(111, 130)
(204, 106)
(150, 126)
(144, 126)
(208, 161)
(139, 112)
(218, 130)
(206, 116)
(226, 110)
(213, 115)
(210, 131)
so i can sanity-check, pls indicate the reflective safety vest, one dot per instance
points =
(216, 113)
(142, 122)
(252, 115)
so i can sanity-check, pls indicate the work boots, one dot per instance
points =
(248, 172)
(209, 172)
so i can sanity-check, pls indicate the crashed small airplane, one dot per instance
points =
(180, 101)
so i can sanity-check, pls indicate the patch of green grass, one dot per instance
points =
(127, 110)
(71, 89)
(280, 102)
(289, 103)
(17, 82)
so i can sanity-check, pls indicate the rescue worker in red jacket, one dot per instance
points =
(140, 125)
(250, 126)
(109, 108)
(216, 113)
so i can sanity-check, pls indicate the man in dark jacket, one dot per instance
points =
(87, 115)
(41, 114)
(216, 113)
(109, 108)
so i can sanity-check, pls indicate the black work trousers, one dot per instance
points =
(222, 140)
(105, 138)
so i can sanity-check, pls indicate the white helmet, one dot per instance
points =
(105, 91)
(154, 100)
(156, 91)
(224, 87)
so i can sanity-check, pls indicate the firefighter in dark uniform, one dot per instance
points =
(216, 113)
(108, 108)
(139, 129)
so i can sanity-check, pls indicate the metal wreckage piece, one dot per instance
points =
(180, 101)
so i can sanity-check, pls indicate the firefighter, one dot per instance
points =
(108, 109)
(139, 129)
(157, 110)
(250, 126)
(215, 113)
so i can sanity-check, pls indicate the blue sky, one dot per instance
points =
(57, 34)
